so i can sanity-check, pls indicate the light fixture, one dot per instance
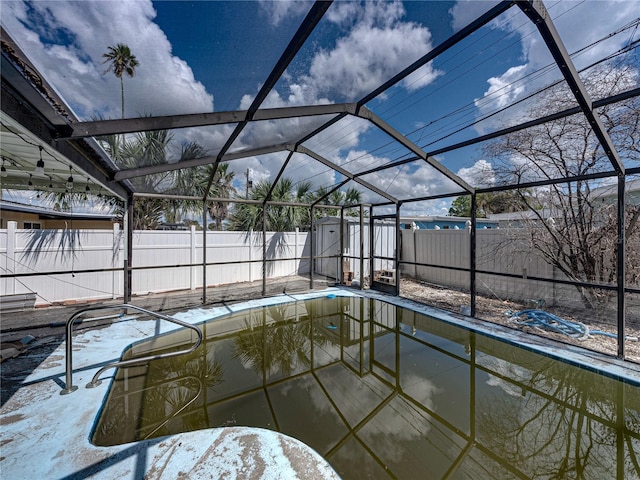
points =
(69, 183)
(3, 171)
(87, 189)
(50, 184)
(100, 193)
(40, 165)
(30, 184)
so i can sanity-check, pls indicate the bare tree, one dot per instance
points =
(573, 225)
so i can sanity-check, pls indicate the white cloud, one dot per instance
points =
(579, 25)
(367, 57)
(375, 46)
(465, 11)
(278, 10)
(378, 12)
(68, 52)
(481, 174)
(503, 90)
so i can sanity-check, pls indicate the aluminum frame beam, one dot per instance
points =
(342, 171)
(538, 14)
(621, 266)
(236, 200)
(367, 114)
(144, 124)
(196, 162)
(141, 171)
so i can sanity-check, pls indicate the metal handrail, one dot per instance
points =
(69, 387)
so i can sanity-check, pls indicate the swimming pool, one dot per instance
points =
(382, 391)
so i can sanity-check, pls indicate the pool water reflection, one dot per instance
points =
(383, 392)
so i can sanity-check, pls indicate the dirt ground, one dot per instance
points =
(494, 310)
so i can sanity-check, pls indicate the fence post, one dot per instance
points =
(295, 251)
(11, 256)
(128, 244)
(192, 258)
(251, 243)
(361, 251)
(204, 253)
(312, 246)
(415, 252)
(115, 245)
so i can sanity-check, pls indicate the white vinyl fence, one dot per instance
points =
(497, 251)
(172, 260)
(328, 246)
(40, 252)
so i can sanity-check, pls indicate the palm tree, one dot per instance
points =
(286, 219)
(281, 346)
(189, 181)
(194, 182)
(351, 197)
(143, 149)
(221, 187)
(121, 61)
(279, 218)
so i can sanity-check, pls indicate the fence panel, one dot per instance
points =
(40, 251)
(157, 248)
(495, 252)
(45, 251)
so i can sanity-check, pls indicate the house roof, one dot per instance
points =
(441, 218)
(632, 191)
(47, 213)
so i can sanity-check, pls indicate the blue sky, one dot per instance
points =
(212, 56)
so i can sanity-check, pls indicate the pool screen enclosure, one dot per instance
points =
(32, 108)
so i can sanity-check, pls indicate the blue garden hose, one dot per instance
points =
(550, 322)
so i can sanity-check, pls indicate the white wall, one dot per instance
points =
(40, 251)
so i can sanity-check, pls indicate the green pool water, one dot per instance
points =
(382, 392)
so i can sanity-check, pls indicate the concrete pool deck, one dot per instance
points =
(45, 435)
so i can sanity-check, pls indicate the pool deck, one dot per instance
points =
(46, 435)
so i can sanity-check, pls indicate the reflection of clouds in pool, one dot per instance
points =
(284, 389)
(400, 422)
(315, 394)
(508, 370)
(397, 423)
(420, 389)
(325, 354)
(246, 363)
